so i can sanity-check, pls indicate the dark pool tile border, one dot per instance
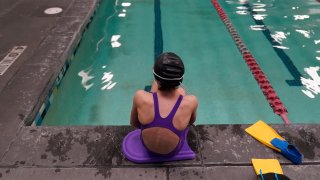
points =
(40, 114)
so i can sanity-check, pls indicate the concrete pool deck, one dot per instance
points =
(93, 152)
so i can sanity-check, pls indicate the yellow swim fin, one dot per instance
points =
(264, 166)
(263, 133)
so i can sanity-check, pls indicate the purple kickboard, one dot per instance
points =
(135, 151)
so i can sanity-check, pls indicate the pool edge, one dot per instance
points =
(97, 151)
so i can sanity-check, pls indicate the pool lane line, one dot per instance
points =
(158, 41)
(265, 86)
(293, 70)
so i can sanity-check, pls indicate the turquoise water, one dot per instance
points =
(116, 55)
(299, 22)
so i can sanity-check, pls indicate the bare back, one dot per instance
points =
(157, 139)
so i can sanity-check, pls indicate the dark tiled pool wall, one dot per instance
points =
(49, 99)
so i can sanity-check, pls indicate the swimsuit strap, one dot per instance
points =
(156, 106)
(166, 122)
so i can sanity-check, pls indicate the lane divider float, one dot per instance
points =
(270, 94)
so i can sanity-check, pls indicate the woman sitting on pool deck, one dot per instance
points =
(164, 114)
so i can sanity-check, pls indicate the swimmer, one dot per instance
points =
(164, 114)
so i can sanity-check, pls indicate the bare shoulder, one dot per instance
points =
(140, 93)
(141, 96)
(191, 99)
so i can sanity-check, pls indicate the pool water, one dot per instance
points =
(116, 55)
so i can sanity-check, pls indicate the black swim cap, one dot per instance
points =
(168, 70)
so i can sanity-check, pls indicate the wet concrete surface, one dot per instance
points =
(223, 151)
(82, 173)
(237, 147)
(94, 152)
(239, 172)
(50, 41)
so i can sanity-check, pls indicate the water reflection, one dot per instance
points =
(125, 4)
(312, 84)
(281, 47)
(85, 78)
(122, 15)
(300, 17)
(259, 10)
(257, 27)
(279, 36)
(304, 33)
(106, 79)
(229, 2)
(114, 41)
(242, 8)
(124, 11)
(259, 5)
(243, 1)
(242, 12)
(259, 16)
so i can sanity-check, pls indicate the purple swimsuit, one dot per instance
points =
(166, 123)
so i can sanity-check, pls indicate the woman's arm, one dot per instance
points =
(194, 112)
(134, 121)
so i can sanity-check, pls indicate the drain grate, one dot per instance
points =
(53, 10)
(10, 58)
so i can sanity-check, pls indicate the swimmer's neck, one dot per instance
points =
(168, 93)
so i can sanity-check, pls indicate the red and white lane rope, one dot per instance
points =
(265, 86)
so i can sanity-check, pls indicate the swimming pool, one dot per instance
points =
(116, 54)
